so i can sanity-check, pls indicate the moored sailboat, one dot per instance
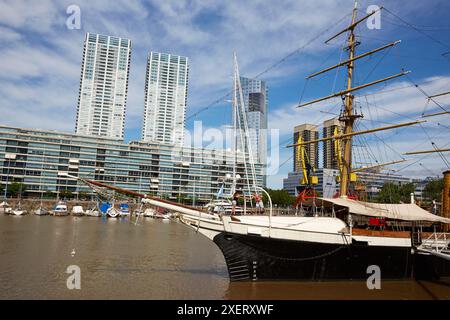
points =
(41, 211)
(332, 244)
(339, 241)
(5, 208)
(60, 209)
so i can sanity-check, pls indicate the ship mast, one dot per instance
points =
(348, 116)
(235, 115)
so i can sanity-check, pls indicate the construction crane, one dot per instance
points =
(308, 178)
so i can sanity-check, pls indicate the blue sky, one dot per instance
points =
(40, 64)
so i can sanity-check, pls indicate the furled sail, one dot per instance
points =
(403, 211)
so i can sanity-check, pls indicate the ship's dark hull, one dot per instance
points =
(256, 258)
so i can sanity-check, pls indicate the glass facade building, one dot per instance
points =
(103, 86)
(166, 87)
(41, 160)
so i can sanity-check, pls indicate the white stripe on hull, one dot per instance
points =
(307, 229)
(384, 241)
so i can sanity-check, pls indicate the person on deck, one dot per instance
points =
(259, 203)
(234, 201)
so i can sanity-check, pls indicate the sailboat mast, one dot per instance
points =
(348, 117)
(235, 115)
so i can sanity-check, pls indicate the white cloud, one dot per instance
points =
(26, 14)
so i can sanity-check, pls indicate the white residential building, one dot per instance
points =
(165, 98)
(103, 86)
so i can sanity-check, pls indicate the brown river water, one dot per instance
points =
(150, 259)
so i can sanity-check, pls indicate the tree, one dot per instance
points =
(82, 195)
(65, 194)
(396, 193)
(181, 198)
(281, 198)
(16, 189)
(48, 194)
(433, 189)
(164, 196)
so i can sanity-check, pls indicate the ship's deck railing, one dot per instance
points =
(438, 242)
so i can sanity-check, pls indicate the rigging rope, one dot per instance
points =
(418, 30)
(440, 154)
(273, 66)
(420, 159)
(424, 93)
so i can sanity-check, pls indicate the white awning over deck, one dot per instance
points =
(404, 211)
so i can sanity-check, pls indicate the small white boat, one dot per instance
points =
(166, 216)
(19, 212)
(5, 208)
(41, 211)
(139, 213)
(60, 209)
(113, 212)
(152, 213)
(92, 213)
(77, 211)
(124, 210)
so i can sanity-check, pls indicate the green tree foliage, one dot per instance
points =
(395, 193)
(48, 194)
(16, 189)
(164, 196)
(181, 198)
(433, 189)
(66, 194)
(281, 198)
(82, 195)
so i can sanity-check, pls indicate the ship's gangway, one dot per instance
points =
(437, 244)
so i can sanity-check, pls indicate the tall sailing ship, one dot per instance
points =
(331, 245)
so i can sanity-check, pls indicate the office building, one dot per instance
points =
(166, 86)
(41, 159)
(103, 86)
(308, 132)
(326, 187)
(374, 180)
(329, 153)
